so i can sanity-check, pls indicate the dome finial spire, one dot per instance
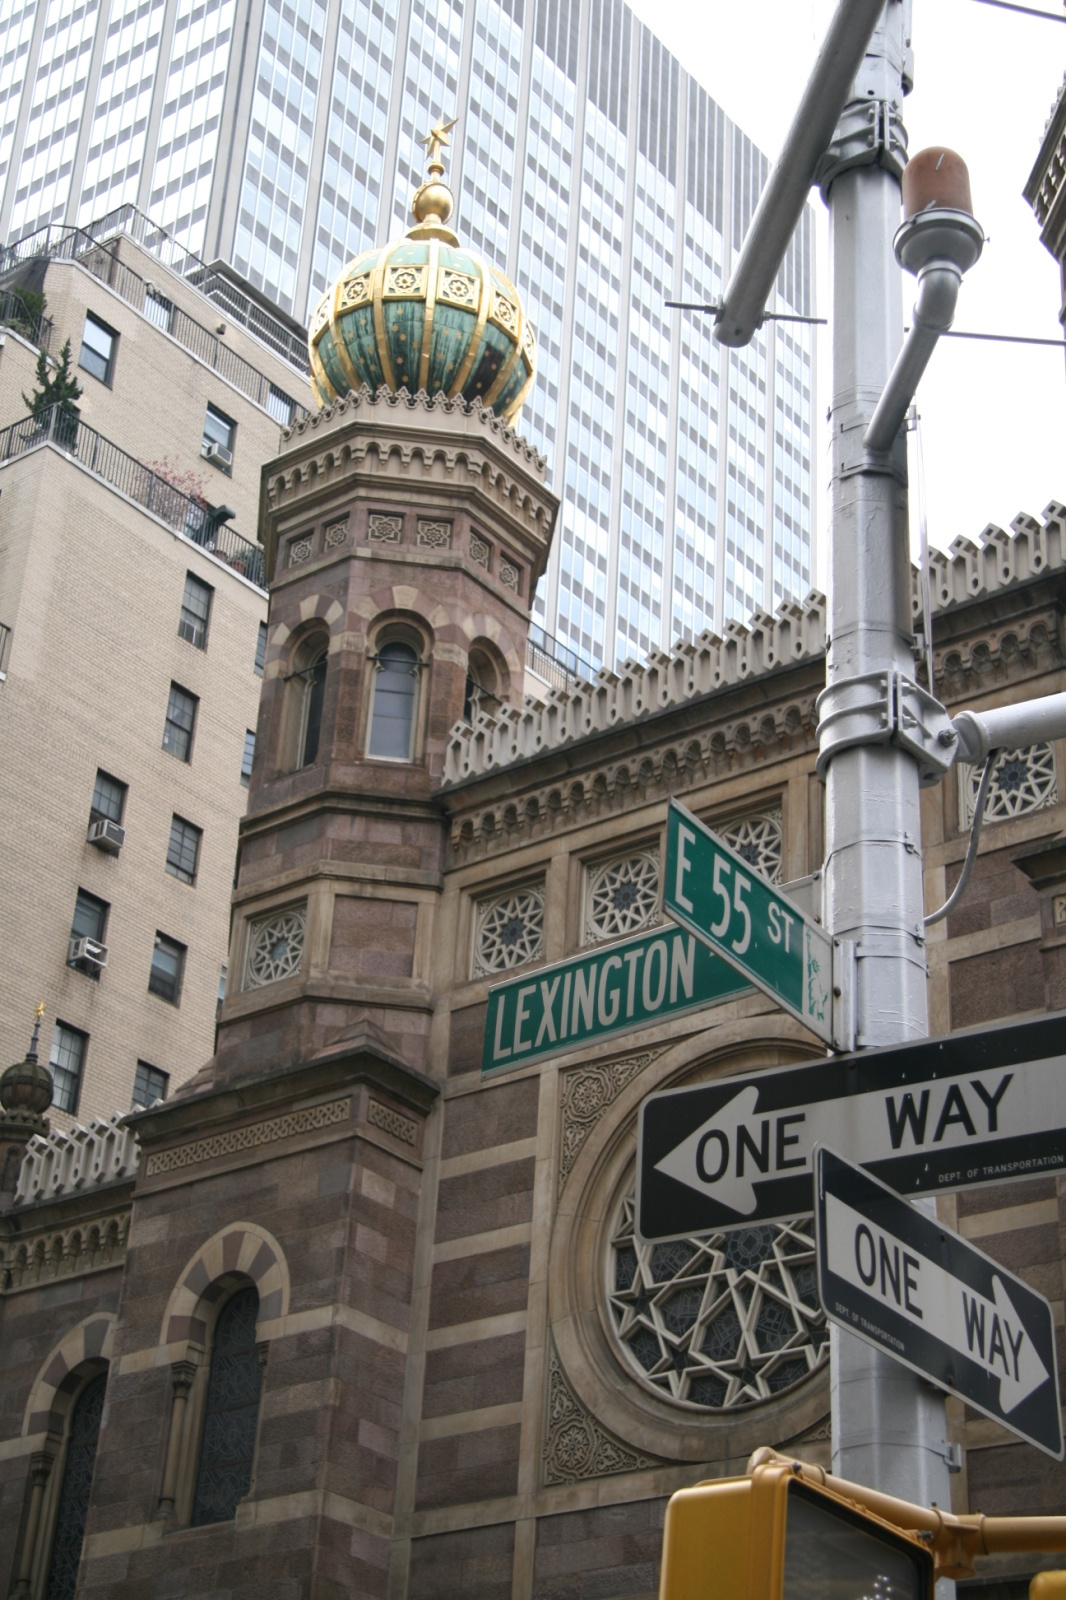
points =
(433, 201)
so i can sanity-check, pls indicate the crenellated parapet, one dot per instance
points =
(696, 667)
(1000, 559)
(58, 1164)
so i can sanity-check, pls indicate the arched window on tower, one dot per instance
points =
(314, 697)
(482, 685)
(83, 1433)
(394, 705)
(231, 1412)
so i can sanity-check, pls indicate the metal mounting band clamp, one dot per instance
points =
(886, 708)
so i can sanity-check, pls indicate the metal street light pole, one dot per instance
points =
(888, 1425)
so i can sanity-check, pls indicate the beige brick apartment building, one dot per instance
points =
(130, 616)
(343, 1318)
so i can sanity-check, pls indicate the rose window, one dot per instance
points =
(1022, 781)
(508, 930)
(718, 1321)
(621, 895)
(275, 946)
(758, 840)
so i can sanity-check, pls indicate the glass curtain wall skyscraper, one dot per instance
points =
(281, 136)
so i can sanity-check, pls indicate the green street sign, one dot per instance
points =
(712, 891)
(615, 988)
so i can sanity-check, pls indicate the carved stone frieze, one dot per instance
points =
(383, 529)
(37, 1257)
(433, 533)
(673, 767)
(251, 1137)
(394, 1122)
(586, 1094)
(820, 1432)
(1023, 648)
(471, 450)
(576, 1446)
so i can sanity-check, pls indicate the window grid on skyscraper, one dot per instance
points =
(489, 191)
(278, 160)
(16, 33)
(57, 105)
(123, 103)
(349, 206)
(185, 156)
(430, 86)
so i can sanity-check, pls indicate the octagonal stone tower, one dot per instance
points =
(405, 534)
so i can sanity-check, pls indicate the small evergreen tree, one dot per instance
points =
(59, 388)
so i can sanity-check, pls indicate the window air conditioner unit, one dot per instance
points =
(87, 952)
(211, 451)
(107, 835)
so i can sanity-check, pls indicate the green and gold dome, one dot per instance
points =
(424, 313)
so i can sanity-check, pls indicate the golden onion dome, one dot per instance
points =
(425, 313)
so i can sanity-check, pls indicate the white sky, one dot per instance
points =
(993, 418)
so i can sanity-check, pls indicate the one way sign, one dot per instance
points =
(929, 1117)
(896, 1278)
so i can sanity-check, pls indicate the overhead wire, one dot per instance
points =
(1027, 11)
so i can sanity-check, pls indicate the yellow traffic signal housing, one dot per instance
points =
(775, 1535)
(791, 1531)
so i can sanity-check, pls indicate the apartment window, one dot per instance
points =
(221, 992)
(89, 922)
(261, 650)
(98, 345)
(181, 719)
(149, 1085)
(219, 434)
(249, 756)
(183, 851)
(279, 405)
(157, 308)
(168, 966)
(68, 1064)
(109, 798)
(195, 611)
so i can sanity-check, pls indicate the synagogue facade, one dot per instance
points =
(344, 1317)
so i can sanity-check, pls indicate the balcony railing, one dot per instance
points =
(186, 516)
(14, 314)
(103, 261)
(156, 241)
(554, 661)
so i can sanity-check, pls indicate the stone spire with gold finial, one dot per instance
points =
(425, 313)
(26, 1090)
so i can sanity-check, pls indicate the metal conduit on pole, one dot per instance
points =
(889, 1426)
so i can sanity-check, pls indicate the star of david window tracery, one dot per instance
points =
(718, 1321)
(621, 895)
(508, 930)
(275, 946)
(1023, 781)
(758, 839)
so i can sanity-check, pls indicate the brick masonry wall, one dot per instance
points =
(343, 1210)
(33, 1321)
(95, 588)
